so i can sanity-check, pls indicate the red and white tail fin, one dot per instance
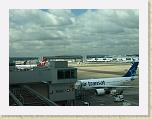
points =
(43, 61)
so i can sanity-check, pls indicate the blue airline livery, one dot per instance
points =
(109, 83)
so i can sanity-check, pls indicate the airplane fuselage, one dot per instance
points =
(104, 82)
(25, 66)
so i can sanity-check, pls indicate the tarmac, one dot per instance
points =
(131, 95)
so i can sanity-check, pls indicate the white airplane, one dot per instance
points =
(106, 85)
(26, 66)
(42, 62)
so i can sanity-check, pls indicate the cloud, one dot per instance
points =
(62, 32)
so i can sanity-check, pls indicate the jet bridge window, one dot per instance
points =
(66, 74)
(60, 74)
(73, 74)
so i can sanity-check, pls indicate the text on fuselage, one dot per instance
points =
(93, 83)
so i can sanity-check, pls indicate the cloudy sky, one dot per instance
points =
(73, 32)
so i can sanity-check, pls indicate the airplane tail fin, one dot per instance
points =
(132, 70)
(42, 62)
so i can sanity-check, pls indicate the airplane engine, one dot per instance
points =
(100, 91)
(105, 91)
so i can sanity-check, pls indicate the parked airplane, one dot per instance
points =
(42, 62)
(106, 85)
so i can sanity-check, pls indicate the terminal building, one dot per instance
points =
(50, 85)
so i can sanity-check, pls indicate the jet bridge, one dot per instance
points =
(55, 82)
